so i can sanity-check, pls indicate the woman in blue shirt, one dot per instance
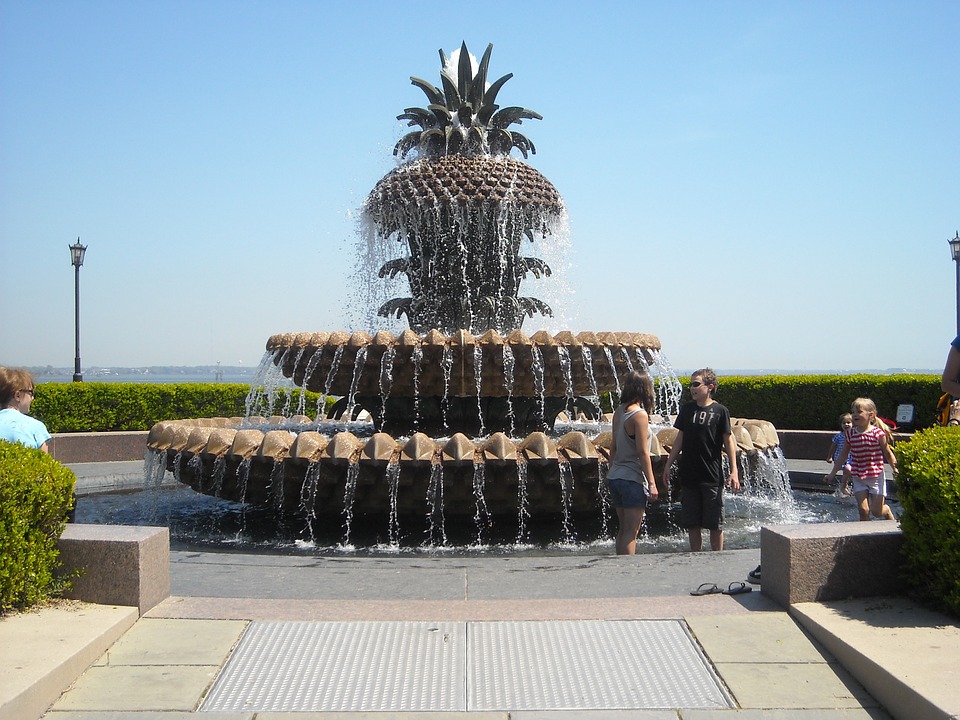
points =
(16, 425)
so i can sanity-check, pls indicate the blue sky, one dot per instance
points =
(761, 185)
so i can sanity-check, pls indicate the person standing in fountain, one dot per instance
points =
(630, 477)
(703, 438)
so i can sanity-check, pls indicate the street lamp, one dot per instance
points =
(955, 251)
(76, 258)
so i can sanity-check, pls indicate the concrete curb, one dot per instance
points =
(904, 655)
(33, 676)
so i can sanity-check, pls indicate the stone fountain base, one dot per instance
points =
(287, 464)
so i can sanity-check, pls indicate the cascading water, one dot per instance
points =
(454, 418)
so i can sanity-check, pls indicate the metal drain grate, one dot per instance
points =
(594, 664)
(361, 666)
(421, 667)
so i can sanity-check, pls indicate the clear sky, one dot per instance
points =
(763, 185)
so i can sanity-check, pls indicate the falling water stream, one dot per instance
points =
(201, 521)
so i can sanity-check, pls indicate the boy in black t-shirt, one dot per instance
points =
(703, 437)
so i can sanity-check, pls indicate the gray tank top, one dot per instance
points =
(625, 463)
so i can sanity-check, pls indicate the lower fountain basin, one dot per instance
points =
(317, 470)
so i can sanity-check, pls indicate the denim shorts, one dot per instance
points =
(627, 493)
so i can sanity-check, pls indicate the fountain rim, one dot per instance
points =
(461, 338)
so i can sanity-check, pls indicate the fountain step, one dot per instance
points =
(472, 666)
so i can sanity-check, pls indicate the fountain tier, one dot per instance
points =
(286, 463)
(440, 383)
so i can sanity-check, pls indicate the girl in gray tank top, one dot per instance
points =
(630, 476)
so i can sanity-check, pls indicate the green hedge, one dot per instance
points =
(790, 402)
(815, 402)
(103, 407)
(929, 490)
(35, 496)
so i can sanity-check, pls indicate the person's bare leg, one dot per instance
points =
(630, 521)
(716, 539)
(696, 539)
(862, 505)
(879, 507)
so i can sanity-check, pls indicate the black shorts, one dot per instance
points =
(701, 506)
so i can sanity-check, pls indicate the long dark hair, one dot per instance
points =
(638, 388)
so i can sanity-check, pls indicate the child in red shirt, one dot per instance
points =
(867, 446)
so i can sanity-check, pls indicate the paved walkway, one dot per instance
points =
(810, 664)
(764, 662)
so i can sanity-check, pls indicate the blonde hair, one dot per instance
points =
(871, 407)
(864, 403)
(12, 381)
(886, 429)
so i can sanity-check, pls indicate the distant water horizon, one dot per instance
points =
(151, 374)
(245, 374)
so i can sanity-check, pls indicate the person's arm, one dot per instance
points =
(832, 452)
(950, 380)
(641, 431)
(888, 453)
(613, 432)
(838, 463)
(674, 452)
(731, 447)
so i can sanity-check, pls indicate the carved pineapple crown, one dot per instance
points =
(463, 117)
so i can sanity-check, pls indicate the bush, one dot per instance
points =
(929, 490)
(790, 402)
(35, 496)
(111, 407)
(814, 402)
(104, 407)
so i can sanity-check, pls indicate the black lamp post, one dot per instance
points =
(955, 251)
(76, 258)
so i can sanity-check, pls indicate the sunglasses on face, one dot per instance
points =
(696, 383)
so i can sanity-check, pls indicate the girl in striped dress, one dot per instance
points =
(866, 446)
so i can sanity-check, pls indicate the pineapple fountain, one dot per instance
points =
(463, 405)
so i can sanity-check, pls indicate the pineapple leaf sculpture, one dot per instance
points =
(462, 205)
(463, 117)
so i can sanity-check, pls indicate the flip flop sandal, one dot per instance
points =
(706, 589)
(737, 588)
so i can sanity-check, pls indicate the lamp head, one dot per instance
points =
(76, 253)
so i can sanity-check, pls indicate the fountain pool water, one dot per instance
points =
(202, 522)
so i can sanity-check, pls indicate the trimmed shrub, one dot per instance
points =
(929, 490)
(790, 402)
(814, 402)
(103, 407)
(35, 496)
(110, 407)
